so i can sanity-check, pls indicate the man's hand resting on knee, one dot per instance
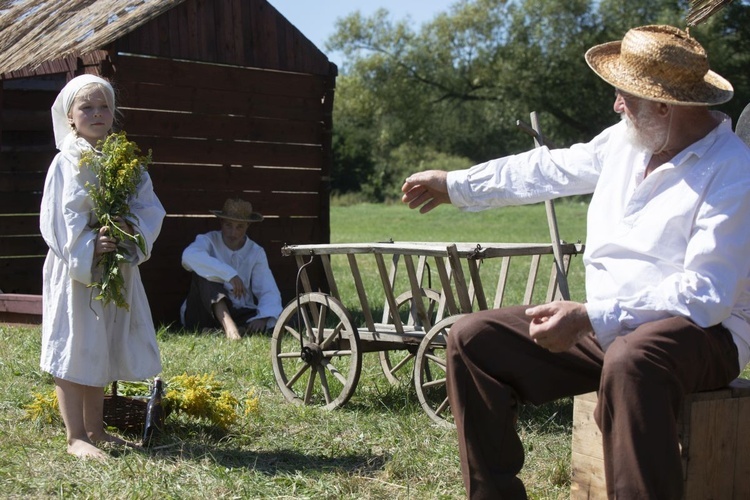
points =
(558, 325)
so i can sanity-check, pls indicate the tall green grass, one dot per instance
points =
(381, 444)
(368, 222)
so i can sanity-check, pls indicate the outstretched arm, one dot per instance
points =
(426, 190)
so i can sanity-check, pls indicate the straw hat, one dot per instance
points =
(239, 210)
(660, 63)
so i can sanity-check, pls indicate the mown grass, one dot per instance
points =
(381, 444)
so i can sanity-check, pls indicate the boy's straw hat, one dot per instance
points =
(239, 210)
(660, 63)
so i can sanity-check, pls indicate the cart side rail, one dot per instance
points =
(398, 273)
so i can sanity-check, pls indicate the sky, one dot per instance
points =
(316, 19)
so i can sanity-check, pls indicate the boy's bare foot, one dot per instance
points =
(233, 333)
(221, 312)
(83, 449)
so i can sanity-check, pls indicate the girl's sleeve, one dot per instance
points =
(64, 219)
(149, 215)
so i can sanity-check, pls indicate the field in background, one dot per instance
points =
(366, 223)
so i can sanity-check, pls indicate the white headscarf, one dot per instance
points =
(64, 101)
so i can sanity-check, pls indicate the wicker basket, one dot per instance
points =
(125, 413)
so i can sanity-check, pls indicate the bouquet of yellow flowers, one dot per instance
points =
(118, 167)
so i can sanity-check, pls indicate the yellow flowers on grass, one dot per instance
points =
(119, 168)
(251, 403)
(201, 396)
(44, 408)
(196, 396)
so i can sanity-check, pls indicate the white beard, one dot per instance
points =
(648, 135)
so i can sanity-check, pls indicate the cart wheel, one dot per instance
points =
(398, 365)
(429, 371)
(315, 352)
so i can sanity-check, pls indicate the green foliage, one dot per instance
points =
(118, 168)
(388, 175)
(458, 84)
(726, 38)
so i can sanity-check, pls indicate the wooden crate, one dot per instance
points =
(715, 440)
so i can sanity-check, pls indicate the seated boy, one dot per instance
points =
(232, 285)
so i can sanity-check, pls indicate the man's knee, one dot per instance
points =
(465, 329)
(495, 331)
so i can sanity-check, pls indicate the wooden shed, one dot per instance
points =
(233, 100)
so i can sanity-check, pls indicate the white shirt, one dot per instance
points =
(676, 243)
(82, 341)
(210, 258)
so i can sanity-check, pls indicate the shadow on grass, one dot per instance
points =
(270, 462)
(198, 442)
(290, 461)
(380, 395)
(547, 418)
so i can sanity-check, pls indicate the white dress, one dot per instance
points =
(82, 341)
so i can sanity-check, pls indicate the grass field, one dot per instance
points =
(380, 444)
(528, 224)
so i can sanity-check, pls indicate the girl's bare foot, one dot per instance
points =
(83, 449)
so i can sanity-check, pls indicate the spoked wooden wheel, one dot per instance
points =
(315, 352)
(398, 365)
(429, 371)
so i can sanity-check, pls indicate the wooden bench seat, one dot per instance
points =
(20, 308)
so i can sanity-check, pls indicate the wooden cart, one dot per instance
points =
(424, 288)
(317, 346)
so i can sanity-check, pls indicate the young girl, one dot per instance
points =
(86, 345)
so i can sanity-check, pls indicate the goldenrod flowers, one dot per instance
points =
(119, 169)
(201, 397)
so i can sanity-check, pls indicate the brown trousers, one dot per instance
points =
(642, 379)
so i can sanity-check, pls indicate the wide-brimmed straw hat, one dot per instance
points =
(239, 210)
(660, 63)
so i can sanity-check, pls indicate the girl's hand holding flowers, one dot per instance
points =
(104, 242)
(123, 225)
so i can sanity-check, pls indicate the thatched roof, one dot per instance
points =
(35, 31)
(700, 10)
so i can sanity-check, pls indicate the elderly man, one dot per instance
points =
(667, 267)
(232, 285)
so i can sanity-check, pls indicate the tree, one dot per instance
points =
(457, 87)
